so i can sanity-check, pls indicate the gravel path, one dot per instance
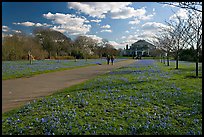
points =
(17, 92)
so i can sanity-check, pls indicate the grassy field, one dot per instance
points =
(18, 69)
(145, 98)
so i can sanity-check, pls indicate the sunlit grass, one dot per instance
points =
(144, 98)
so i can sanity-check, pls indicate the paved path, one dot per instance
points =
(16, 92)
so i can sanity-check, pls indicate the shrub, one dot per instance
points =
(17, 47)
(92, 57)
(64, 57)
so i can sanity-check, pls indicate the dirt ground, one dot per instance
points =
(17, 92)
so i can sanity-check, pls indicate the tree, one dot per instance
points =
(186, 5)
(177, 32)
(44, 37)
(33, 45)
(100, 48)
(193, 29)
(166, 42)
(17, 46)
(52, 41)
(84, 46)
(194, 33)
(12, 48)
(109, 50)
(159, 47)
(188, 54)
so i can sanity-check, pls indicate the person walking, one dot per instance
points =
(108, 59)
(112, 59)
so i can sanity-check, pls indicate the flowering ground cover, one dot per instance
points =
(17, 69)
(143, 98)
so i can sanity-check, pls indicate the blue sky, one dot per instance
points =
(120, 23)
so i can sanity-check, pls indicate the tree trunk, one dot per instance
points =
(164, 59)
(197, 60)
(167, 58)
(30, 59)
(177, 58)
(75, 59)
(49, 54)
(196, 68)
(177, 62)
(161, 58)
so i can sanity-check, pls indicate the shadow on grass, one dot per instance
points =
(182, 69)
(192, 76)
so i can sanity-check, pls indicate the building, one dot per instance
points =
(139, 48)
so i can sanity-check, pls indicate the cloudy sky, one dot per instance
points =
(120, 23)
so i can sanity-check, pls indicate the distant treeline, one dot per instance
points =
(50, 44)
(189, 54)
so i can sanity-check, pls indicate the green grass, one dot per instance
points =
(145, 98)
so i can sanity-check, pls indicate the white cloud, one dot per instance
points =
(17, 31)
(113, 43)
(123, 37)
(135, 21)
(30, 24)
(182, 13)
(147, 17)
(140, 35)
(126, 31)
(59, 28)
(133, 28)
(116, 44)
(97, 9)
(106, 26)
(97, 21)
(99, 39)
(5, 28)
(127, 12)
(116, 10)
(142, 17)
(153, 26)
(147, 35)
(27, 23)
(38, 24)
(106, 30)
(172, 6)
(151, 30)
(71, 24)
(130, 39)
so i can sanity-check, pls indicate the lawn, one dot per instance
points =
(144, 98)
(18, 69)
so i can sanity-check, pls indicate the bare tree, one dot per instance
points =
(85, 45)
(196, 6)
(166, 43)
(177, 32)
(194, 33)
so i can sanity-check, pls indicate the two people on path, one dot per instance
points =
(110, 58)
